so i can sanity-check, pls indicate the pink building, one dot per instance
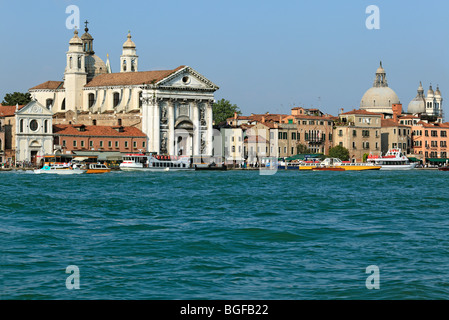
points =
(431, 141)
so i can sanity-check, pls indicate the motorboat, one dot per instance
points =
(394, 159)
(59, 169)
(95, 168)
(142, 162)
(335, 164)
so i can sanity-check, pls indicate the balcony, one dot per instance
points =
(344, 123)
(315, 141)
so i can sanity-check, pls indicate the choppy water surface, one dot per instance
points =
(225, 235)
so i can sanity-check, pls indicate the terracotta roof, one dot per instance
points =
(409, 117)
(434, 125)
(307, 117)
(358, 111)
(8, 111)
(50, 85)
(99, 131)
(246, 126)
(270, 125)
(130, 78)
(389, 123)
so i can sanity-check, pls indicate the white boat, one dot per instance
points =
(142, 162)
(394, 159)
(59, 169)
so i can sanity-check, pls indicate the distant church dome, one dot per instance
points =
(94, 66)
(418, 105)
(380, 98)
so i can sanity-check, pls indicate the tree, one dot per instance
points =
(365, 157)
(11, 99)
(223, 109)
(339, 152)
(302, 148)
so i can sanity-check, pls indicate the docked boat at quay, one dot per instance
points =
(394, 159)
(335, 164)
(59, 169)
(142, 162)
(97, 168)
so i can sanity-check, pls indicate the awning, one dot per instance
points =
(80, 158)
(412, 159)
(101, 155)
(303, 156)
(442, 160)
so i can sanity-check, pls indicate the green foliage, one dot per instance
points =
(339, 152)
(365, 157)
(11, 99)
(302, 149)
(223, 109)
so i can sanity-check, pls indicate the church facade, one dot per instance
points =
(34, 132)
(172, 107)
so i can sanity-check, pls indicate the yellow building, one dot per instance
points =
(359, 131)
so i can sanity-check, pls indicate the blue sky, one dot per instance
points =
(264, 55)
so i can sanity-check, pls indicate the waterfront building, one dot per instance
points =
(314, 130)
(395, 135)
(257, 142)
(232, 144)
(359, 131)
(33, 132)
(8, 113)
(2, 139)
(283, 133)
(172, 107)
(431, 141)
(109, 142)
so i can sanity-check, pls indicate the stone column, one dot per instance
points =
(196, 129)
(147, 109)
(209, 121)
(171, 128)
(157, 127)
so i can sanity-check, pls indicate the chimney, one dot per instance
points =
(397, 111)
(263, 119)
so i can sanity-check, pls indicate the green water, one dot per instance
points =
(225, 235)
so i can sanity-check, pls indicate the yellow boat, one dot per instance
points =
(97, 168)
(336, 163)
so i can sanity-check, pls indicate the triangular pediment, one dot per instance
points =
(35, 108)
(188, 78)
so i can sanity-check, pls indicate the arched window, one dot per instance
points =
(70, 62)
(79, 62)
(116, 99)
(133, 68)
(21, 125)
(140, 99)
(91, 98)
(63, 104)
(124, 65)
(46, 126)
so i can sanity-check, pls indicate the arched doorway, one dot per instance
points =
(183, 137)
(34, 148)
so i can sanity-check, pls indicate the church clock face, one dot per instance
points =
(33, 125)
